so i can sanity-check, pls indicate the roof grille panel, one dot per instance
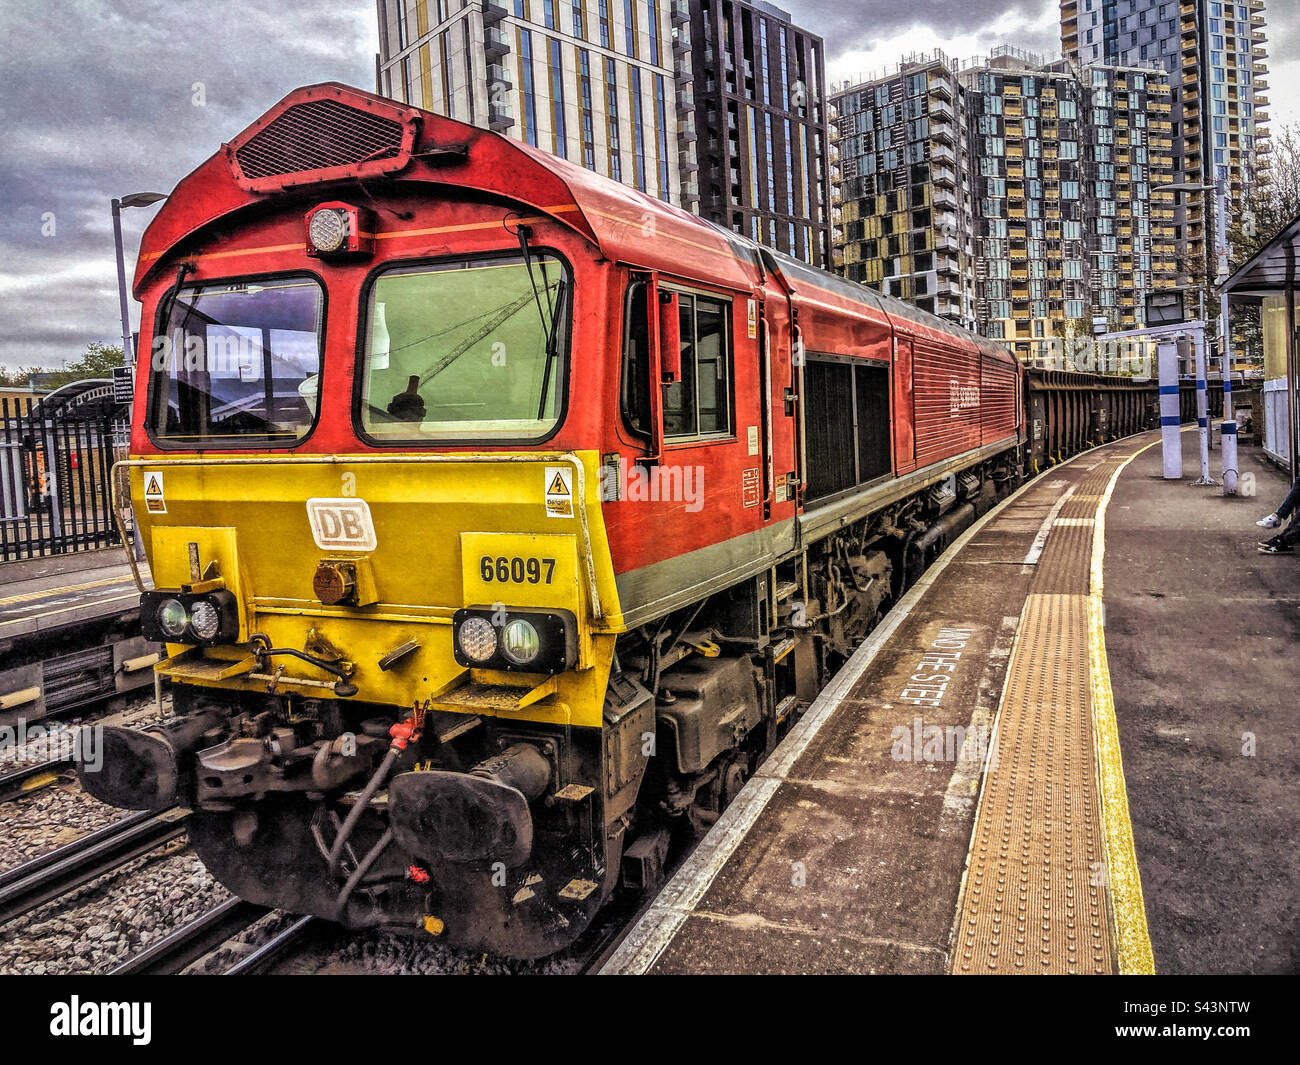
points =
(320, 140)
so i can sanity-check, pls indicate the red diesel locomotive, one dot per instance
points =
(501, 518)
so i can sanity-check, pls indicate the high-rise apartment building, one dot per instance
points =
(760, 126)
(597, 82)
(906, 225)
(1013, 195)
(1070, 219)
(1215, 54)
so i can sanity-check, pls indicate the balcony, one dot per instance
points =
(679, 10)
(495, 42)
(943, 131)
(945, 200)
(493, 12)
(942, 175)
(500, 117)
(498, 77)
(942, 154)
(943, 264)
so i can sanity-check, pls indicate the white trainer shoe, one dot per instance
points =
(1271, 522)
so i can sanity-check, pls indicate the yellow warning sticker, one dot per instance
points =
(155, 500)
(559, 491)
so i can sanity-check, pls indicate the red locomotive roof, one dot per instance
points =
(332, 135)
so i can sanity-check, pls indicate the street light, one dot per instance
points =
(1202, 400)
(135, 199)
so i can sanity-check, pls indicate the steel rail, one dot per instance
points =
(193, 940)
(66, 868)
(260, 959)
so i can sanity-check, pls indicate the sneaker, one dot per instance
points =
(1271, 522)
(1272, 547)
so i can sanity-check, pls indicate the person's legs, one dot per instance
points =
(1289, 503)
(1284, 542)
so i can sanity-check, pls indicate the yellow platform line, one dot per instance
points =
(50, 593)
(1128, 908)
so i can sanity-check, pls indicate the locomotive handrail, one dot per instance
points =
(580, 473)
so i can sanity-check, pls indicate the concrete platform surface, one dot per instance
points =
(1203, 636)
(58, 592)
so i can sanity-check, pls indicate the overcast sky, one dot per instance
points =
(99, 99)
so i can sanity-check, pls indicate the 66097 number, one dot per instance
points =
(516, 570)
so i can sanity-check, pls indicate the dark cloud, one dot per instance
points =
(848, 26)
(98, 100)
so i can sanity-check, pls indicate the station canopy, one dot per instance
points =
(1271, 270)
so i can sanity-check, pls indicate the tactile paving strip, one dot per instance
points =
(1034, 899)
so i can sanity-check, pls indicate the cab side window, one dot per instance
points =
(699, 404)
(635, 398)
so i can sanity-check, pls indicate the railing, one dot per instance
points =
(54, 486)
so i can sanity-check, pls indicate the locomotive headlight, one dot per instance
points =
(328, 229)
(208, 619)
(520, 642)
(526, 641)
(476, 638)
(205, 620)
(172, 618)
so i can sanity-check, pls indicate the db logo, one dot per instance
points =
(341, 524)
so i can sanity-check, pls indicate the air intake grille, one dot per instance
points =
(315, 136)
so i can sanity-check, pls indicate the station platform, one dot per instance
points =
(1035, 764)
(45, 595)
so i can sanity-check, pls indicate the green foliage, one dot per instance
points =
(97, 361)
(17, 377)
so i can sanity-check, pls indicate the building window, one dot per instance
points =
(559, 135)
(661, 125)
(526, 86)
(638, 129)
(611, 119)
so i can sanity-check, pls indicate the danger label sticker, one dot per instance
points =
(155, 499)
(749, 488)
(559, 491)
(342, 524)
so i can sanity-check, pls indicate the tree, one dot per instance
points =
(1269, 205)
(98, 361)
(17, 377)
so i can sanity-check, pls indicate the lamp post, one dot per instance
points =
(1202, 400)
(135, 199)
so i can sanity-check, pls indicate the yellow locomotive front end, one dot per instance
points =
(389, 679)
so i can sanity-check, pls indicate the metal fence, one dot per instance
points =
(56, 455)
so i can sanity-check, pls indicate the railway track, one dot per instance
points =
(19, 782)
(190, 942)
(67, 868)
(270, 952)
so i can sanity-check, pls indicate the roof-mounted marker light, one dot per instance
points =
(339, 230)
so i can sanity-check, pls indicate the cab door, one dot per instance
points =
(904, 415)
